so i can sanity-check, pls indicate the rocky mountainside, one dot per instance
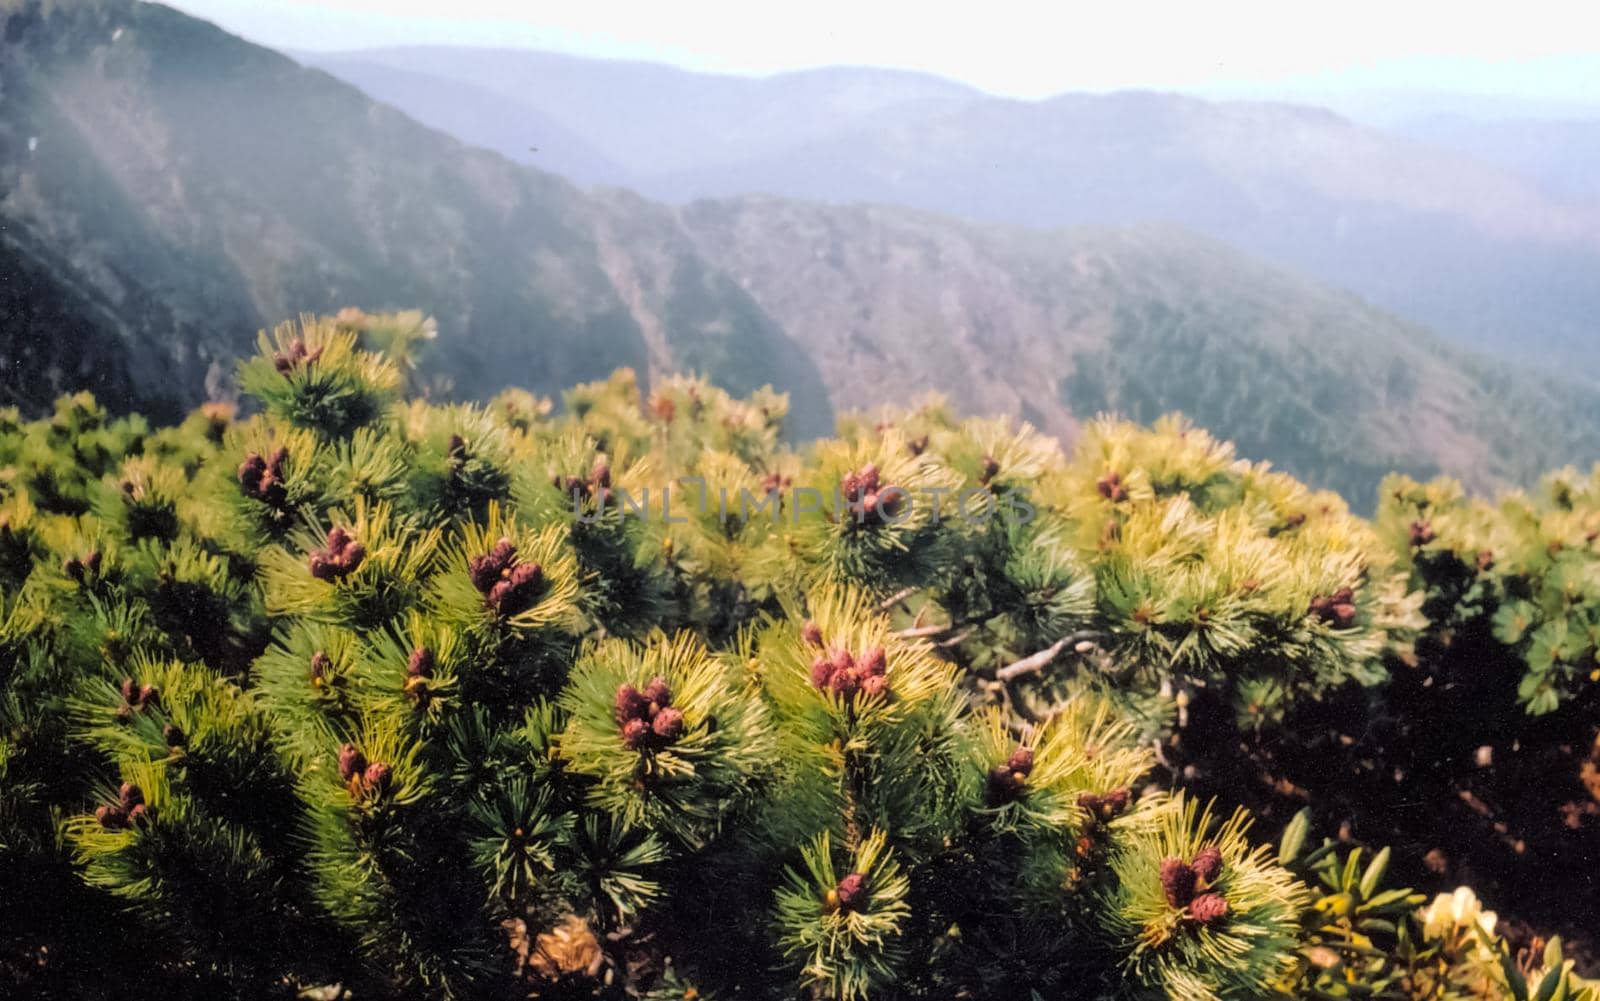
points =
(1061, 325)
(191, 188)
(167, 189)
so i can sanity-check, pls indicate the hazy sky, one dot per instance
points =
(1526, 49)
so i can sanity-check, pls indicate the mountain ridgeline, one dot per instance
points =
(167, 189)
(1477, 236)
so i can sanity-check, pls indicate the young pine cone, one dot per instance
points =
(339, 558)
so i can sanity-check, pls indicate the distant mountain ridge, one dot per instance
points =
(166, 189)
(1442, 233)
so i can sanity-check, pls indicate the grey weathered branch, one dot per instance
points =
(897, 598)
(1036, 662)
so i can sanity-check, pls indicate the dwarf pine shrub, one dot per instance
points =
(346, 694)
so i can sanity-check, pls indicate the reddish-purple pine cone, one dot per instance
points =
(73, 568)
(850, 487)
(92, 561)
(321, 664)
(635, 734)
(138, 814)
(851, 891)
(874, 661)
(668, 724)
(1208, 864)
(250, 472)
(1021, 760)
(629, 704)
(130, 691)
(1421, 533)
(844, 683)
(889, 500)
(1089, 803)
(351, 557)
(376, 778)
(526, 577)
(1005, 785)
(868, 475)
(420, 665)
(821, 672)
(1114, 802)
(148, 695)
(351, 761)
(842, 660)
(500, 596)
(1209, 908)
(456, 447)
(658, 692)
(483, 572)
(338, 538)
(991, 468)
(112, 818)
(1178, 882)
(130, 795)
(874, 685)
(319, 566)
(600, 475)
(1344, 616)
(869, 502)
(811, 633)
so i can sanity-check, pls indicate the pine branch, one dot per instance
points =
(1036, 662)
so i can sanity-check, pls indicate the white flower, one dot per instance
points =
(1453, 912)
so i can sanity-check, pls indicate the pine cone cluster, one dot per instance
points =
(1421, 534)
(1337, 609)
(294, 356)
(843, 673)
(849, 894)
(361, 778)
(1111, 487)
(1187, 885)
(136, 698)
(128, 811)
(339, 558)
(1103, 808)
(648, 720)
(82, 569)
(508, 585)
(1008, 782)
(262, 479)
(869, 496)
(597, 485)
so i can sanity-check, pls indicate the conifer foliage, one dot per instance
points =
(344, 694)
